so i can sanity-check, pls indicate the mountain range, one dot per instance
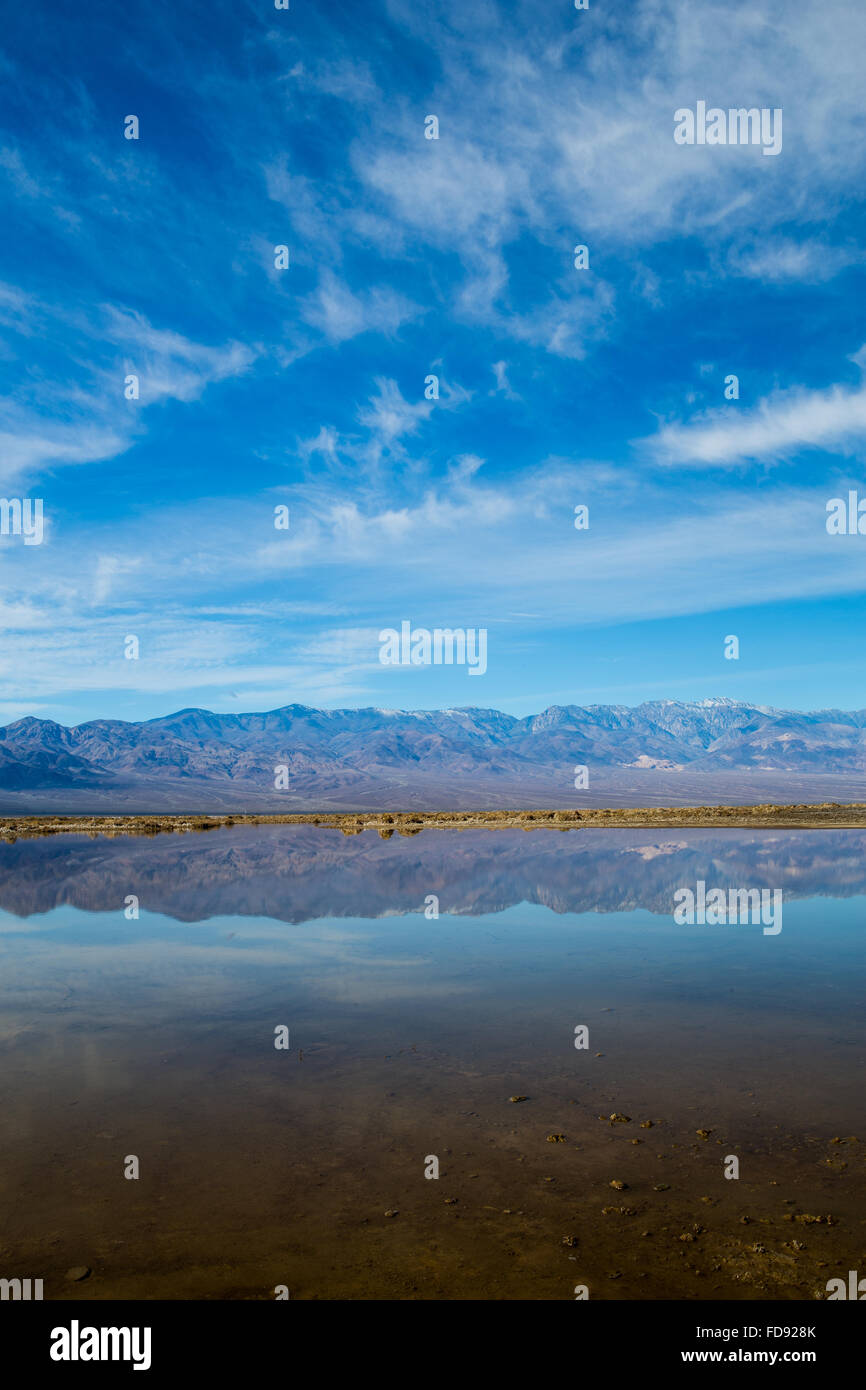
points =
(663, 751)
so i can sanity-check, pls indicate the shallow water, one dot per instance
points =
(154, 1036)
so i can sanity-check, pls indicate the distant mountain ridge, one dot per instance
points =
(465, 756)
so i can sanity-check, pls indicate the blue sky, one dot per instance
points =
(305, 387)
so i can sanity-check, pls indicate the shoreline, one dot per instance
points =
(827, 815)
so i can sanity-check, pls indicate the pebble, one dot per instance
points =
(77, 1273)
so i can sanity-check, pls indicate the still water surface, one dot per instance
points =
(154, 1037)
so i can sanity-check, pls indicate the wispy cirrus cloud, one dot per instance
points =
(171, 366)
(777, 428)
(786, 259)
(412, 257)
(59, 421)
(339, 313)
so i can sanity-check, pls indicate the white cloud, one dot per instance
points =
(503, 385)
(30, 445)
(339, 314)
(56, 423)
(389, 416)
(455, 550)
(781, 260)
(778, 427)
(170, 365)
(546, 137)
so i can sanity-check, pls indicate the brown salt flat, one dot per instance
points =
(830, 815)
